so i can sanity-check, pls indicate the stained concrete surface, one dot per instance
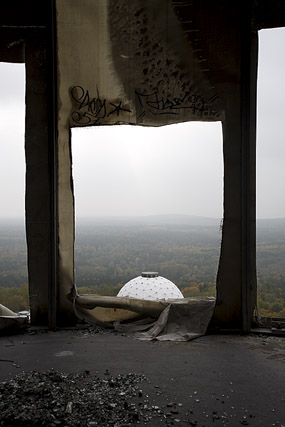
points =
(214, 380)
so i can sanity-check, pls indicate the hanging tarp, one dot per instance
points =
(164, 320)
(136, 62)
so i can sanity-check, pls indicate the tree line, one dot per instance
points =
(106, 257)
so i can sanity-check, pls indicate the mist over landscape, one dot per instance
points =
(111, 251)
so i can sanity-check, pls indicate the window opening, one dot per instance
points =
(271, 174)
(147, 199)
(13, 250)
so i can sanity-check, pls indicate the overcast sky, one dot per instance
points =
(177, 169)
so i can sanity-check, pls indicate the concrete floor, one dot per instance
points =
(217, 379)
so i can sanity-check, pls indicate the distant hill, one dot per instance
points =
(184, 248)
(131, 244)
(270, 230)
(170, 219)
(269, 224)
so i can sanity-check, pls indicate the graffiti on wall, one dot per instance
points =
(93, 110)
(156, 105)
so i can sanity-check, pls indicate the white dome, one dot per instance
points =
(150, 286)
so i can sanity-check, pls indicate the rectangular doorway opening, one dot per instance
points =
(148, 199)
(271, 175)
(13, 248)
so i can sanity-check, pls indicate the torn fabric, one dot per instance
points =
(183, 320)
(12, 321)
(164, 320)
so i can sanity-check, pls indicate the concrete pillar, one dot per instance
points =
(236, 280)
(37, 178)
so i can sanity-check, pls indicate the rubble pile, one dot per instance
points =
(54, 399)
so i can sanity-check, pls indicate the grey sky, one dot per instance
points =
(12, 131)
(139, 171)
(145, 171)
(270, 126)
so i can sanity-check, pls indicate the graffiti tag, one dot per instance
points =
(93, 110)
(155, 104)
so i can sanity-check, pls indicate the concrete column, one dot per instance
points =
(37, 178)
(236, 280)
(229, 295)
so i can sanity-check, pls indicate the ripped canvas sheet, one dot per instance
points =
(10, 320)
(164, 320)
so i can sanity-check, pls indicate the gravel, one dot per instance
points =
(56, 399)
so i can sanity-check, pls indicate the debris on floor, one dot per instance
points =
(56, 399)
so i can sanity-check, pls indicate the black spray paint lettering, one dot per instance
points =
(93, 110)
(157, 105)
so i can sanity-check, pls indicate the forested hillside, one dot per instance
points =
(182, 249)
(116, 254)
(13, 254)
(270, 260)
